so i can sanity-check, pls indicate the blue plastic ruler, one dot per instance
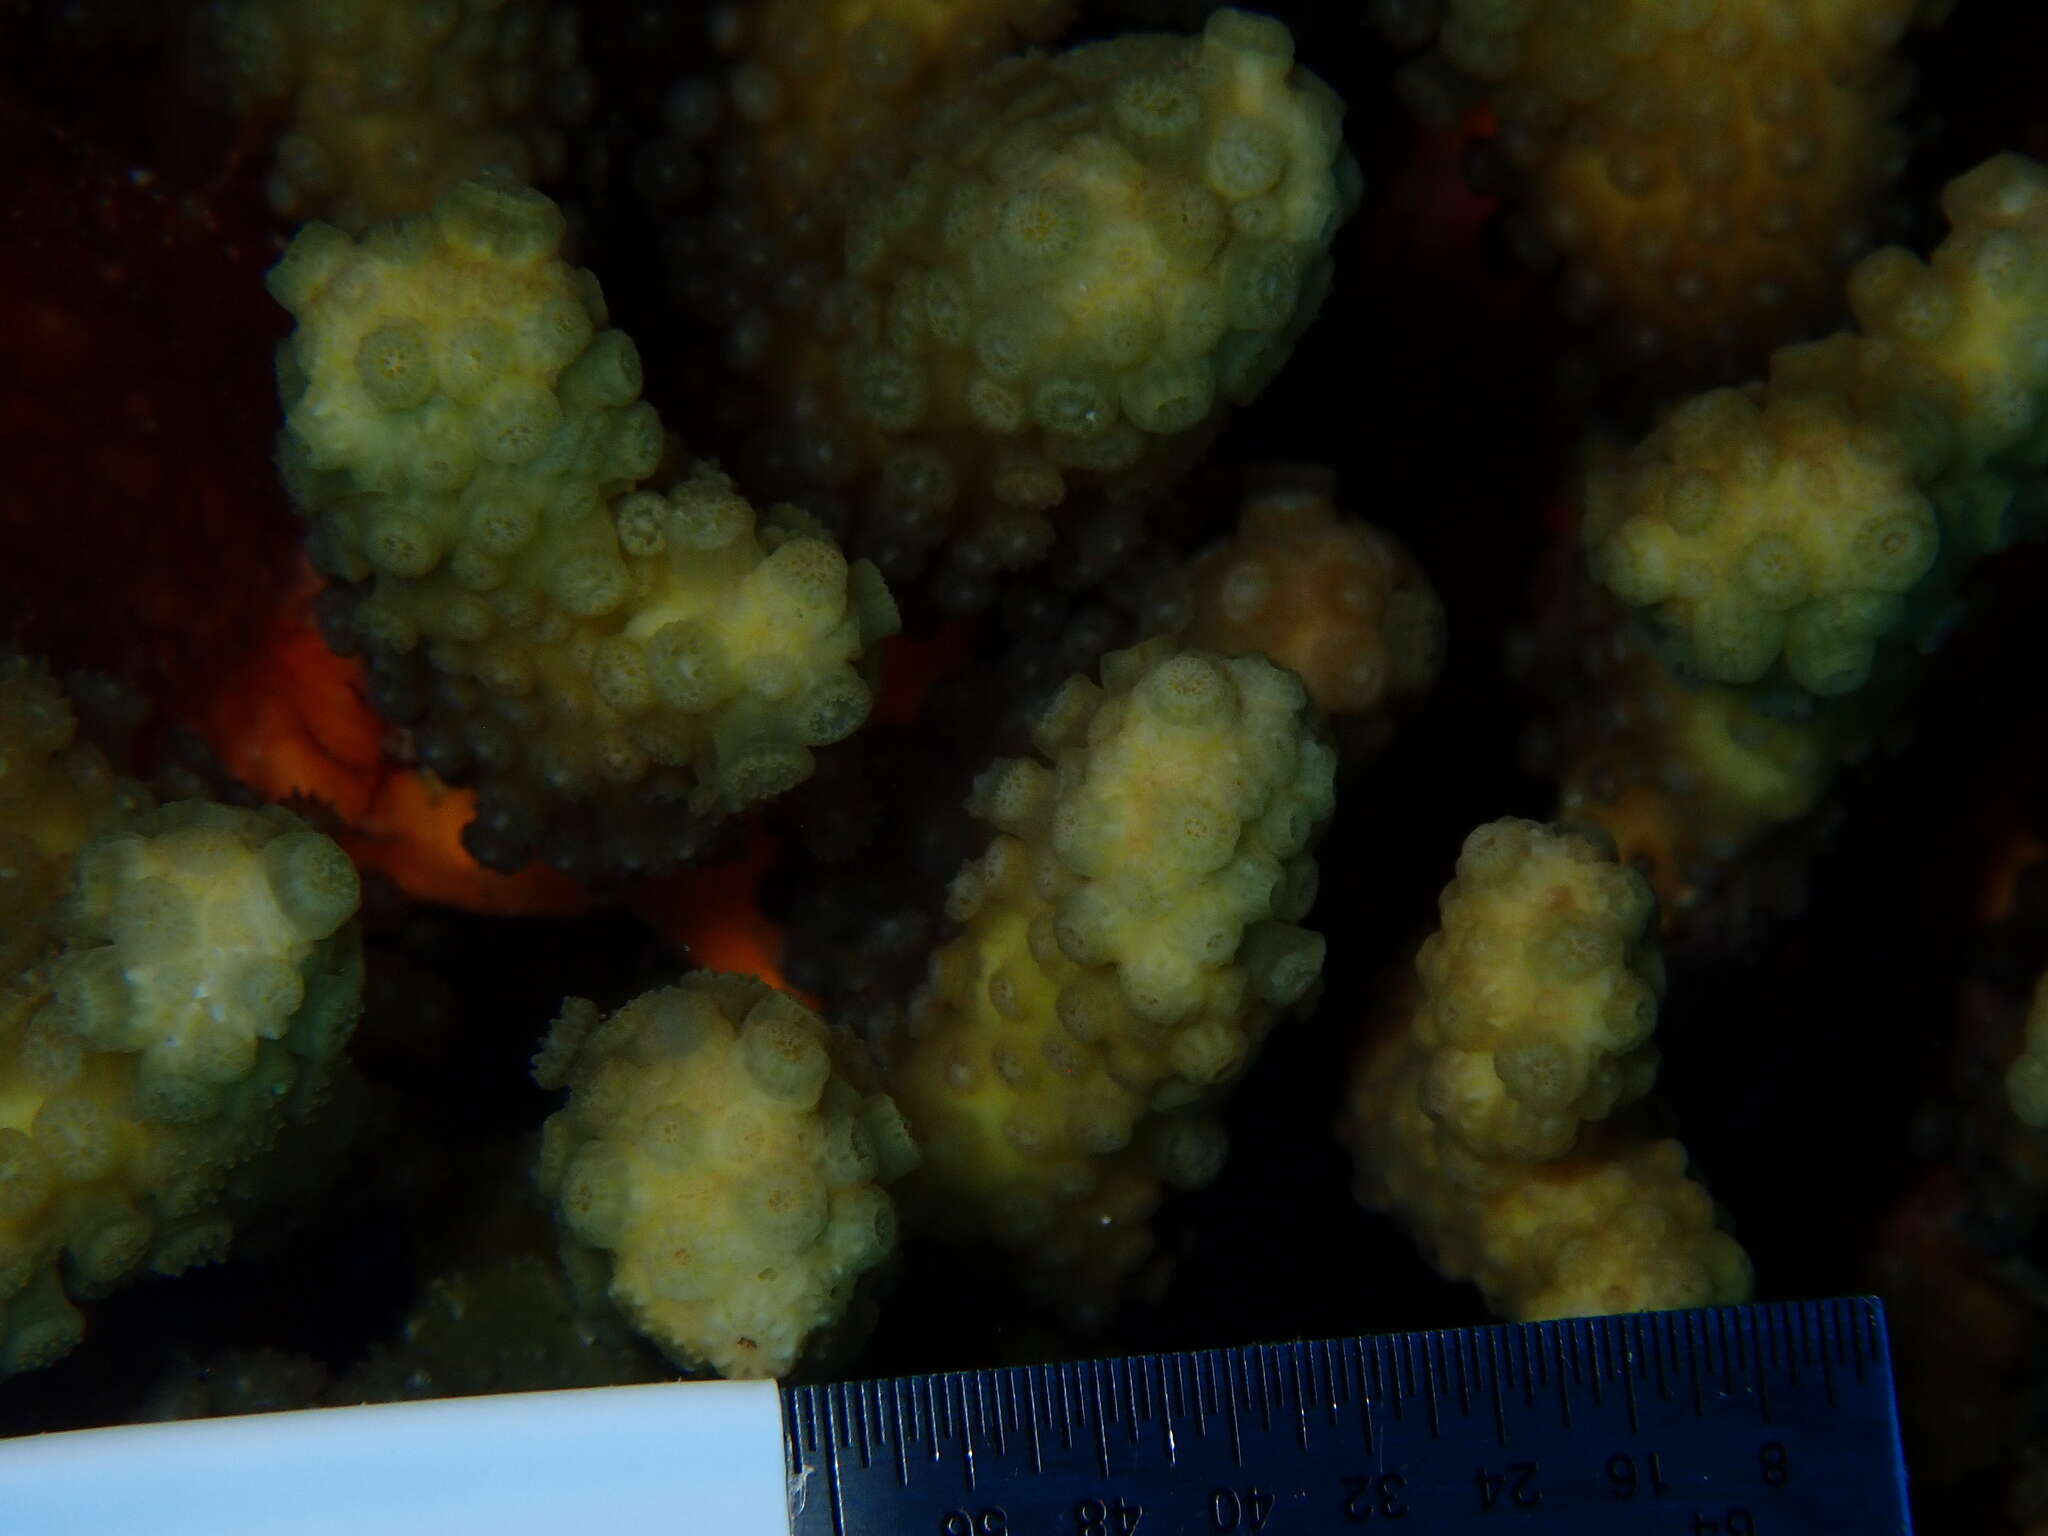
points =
(1745, 1421)
(1738, 1421)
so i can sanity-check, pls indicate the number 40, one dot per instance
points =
(1228, 1509)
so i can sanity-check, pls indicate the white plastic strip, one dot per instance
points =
(682, 1457)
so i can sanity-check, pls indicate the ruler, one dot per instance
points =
(1739, 1421)
(1744, 1421)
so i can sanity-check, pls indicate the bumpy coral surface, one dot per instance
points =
(1525, 1050)
(818, 83)
(1794, 528)
(55, 790)
(1056, 279)
(1331, 598)
(395, 101)
(193, 930)
(1127, 941)
(1788, 531)
(614, 671)
(1481, 1116)
(1685, 780)
(1130, 925)
(1950, 363)
(1704, 171)
(1795, 550)
(722, 1158)
(510, 1325)
(158, 1026)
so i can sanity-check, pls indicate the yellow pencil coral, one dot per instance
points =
(1539, 993)
(818, 84)
(1761, 531)
(192, 933)
(395, 101)
(1797, 549)
(614, 671)
(721, 1162)
(158, 1026)
(1684, 780)
(1334, 599)
(1951, 363)
(55, 790)
(1703, 170)
(1127, 941)
(1481, 1117)
(1057, 279)
(1802, 528)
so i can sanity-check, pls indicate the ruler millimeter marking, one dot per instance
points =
(1770, 1420)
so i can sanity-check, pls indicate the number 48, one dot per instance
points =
(1117, 1517)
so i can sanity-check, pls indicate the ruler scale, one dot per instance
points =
(1771, 1420)
(1743, 1421)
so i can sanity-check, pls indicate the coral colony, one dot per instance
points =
(767, 738)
